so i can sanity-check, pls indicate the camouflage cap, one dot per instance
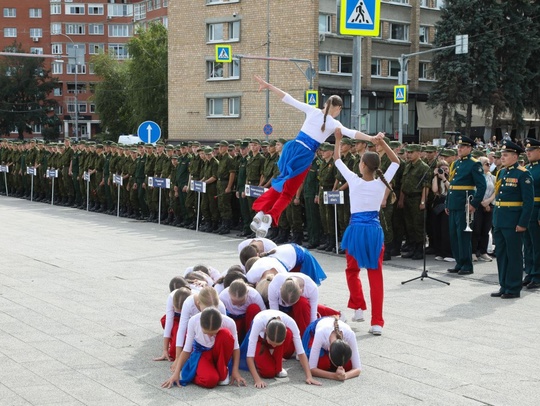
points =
(272, 143)
(264, 143)
(414, 148)
(394, 144)
(223, 143)
(431, 148)
(208, 150)
(169, 147)
(347, 141)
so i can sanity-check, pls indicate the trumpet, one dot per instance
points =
(468, 218)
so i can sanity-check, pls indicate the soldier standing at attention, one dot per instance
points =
(466, 179)
(226, 173)
(196, 165)
(254, 169)
(182, 179)
(514, 203)
(313, 216)
(327, 176)
(531, 238)
(240, 189)
(209, 206)
(413, 200)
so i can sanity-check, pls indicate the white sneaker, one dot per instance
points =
(256, 223)
(375, 330)
(474, 258)
(485, 257)
(282, 374)
(439, 258)
(266, 223)
(224, 382)
(358, 315)
(449, 259)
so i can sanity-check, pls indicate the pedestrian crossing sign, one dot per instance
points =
(223, 53)
(312, 97)
(360, 17)
(400, 94)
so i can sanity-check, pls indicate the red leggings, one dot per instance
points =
(174, 331)
(301, 313)
(376, 289)
(270, 364)
(273, 202)
(244, 323)
(212, 366)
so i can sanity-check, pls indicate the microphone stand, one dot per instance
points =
(424, 270)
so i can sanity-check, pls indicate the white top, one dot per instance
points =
(366, 195)
(261, 266)
(310, 292)
(490, 185)
(252, 297)
(286, 254)
(314, 121)
(267, 244)
(321, 339)
(195, 333)
(258, 328)
(169, 315)
(188, 311)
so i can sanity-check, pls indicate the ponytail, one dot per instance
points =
(339, 335)
(339, 352)
(326, 108)
(265, 254)
(383, 179)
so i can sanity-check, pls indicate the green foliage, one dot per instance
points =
(24, 89)
(136, 90)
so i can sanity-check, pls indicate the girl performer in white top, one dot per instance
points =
(297, 155)
(363, 239)
(272, 337)
(332, 349)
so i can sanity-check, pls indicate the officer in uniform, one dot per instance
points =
(412, 200)
(226, 173)
(531, 238)
(240, 189)
(398, 220)
(313, 216)
(327, 177)
(182, 179)
(196, 165)
(209, 206)
(254, 169)
(466, 180)
(514, 203)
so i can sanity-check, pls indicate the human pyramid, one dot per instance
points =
(252, 317)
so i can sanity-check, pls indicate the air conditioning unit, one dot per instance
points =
(322, 37)
(35, 39)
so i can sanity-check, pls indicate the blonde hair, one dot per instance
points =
(262, 288)
(238, 288)
(180, 296)
(208, 297)
(290, 291)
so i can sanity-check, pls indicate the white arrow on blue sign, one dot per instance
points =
(149, 132)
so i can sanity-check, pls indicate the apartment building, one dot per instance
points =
(74, 31)
(212, 100)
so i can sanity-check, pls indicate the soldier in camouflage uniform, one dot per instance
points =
(240, 189)
(226, 174)
(327, 176)
(196, 166)
(209, 206)
(254, 169)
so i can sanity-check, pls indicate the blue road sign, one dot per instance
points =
(312, 97)
(223, 53)
(268, 129)
(149, 132)
(400, 94)
(360, 17)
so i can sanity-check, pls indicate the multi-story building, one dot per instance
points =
(76, 30)
(211, 100)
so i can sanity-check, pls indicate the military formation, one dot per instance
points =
(89, 173)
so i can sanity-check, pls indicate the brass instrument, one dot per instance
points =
(468, 218)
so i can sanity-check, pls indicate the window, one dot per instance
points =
(157, 4)
(56, 8)
(120, 30)
(165, 3)
(35, 13)
(234, 69)
(10, 12)
(120, 10)
(165, 22)
(57, 91)
(36, 128)
(400, 1)
(215, 107)
(423, 36)
(80, 68)
(78, 9)
(376, 65)
(423, 3)
(56, 28)
(215, 69)
(234, 31)
(424, 71)
(36, 32)
(399, 32)
(345, 64)
(57, 68)
(325, 23)
(59, 109)
(139, 12)
(71, 107)
(118, 51)
(76, 51)
(10, 32)
(96, 9)
(96, 29)
(440, 3)
(82, 107)
(393, 69)
(56, 49)
(91, 69)
(234, 106)
(92, 108)
(324, 63)
(150, 5)
(75, 29)
(215, 32)
(96, 49)
(37, 51)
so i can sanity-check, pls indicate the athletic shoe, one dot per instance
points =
(266, 223)
(282, 374)
(449, 259)
(485, 257)
(376, 330)
(358, 315)
(474, 258)
(226, 381)
(439, 258)
(256, 223)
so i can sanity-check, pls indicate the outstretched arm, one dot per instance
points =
(337, 147)
(265, 85)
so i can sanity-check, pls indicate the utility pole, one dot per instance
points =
(356, 97)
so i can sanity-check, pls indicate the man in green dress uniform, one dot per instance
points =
(466, 179)
(514, 202)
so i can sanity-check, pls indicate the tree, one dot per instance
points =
(149, 76)
(111, 96)
(24, 89)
